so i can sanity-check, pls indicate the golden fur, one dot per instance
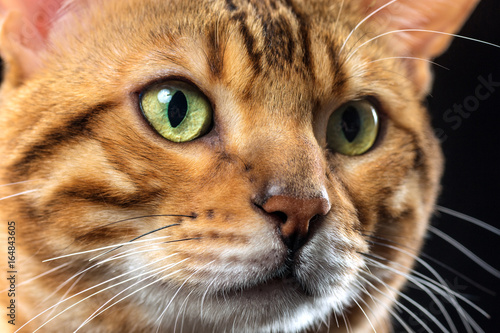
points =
(95, 174)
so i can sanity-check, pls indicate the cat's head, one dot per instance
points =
(261, 164)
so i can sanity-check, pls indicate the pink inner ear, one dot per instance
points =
(445, 16)
(38, 14)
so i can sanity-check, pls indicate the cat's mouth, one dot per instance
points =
(283, 281)
(274, 287)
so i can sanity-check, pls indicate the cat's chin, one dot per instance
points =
(280, 304)
(276, 306)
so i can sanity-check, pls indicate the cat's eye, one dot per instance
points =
(353, 128)
(176, 110)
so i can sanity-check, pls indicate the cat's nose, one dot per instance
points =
(295, 215)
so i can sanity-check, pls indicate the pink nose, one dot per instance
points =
(295, 215)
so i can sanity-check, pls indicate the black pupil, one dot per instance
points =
(351, 123)
(177, 109)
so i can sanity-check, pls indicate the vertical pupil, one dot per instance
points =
(351, 123)
(177, 109)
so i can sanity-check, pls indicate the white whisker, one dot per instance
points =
(182, 311)
(418, 30)
(347, 323)
(364, 313)
(484, 265)
(376, 300)
(363, 21)
(470, 219)
(422, 287)
(451, 295)
(38, 276)
(17, 183)
(18, 194)
(155, 271)
(409, 58)
(178, 290)
(104, 248)
(398, 303)
(93, 287)
(441, 282)
(203, 298)
(338, 17)
(66, 293)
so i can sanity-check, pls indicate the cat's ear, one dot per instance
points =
(439, 17)
(24, 29)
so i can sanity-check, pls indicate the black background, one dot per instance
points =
(471, 182)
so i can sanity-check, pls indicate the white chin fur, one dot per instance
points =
(275, 307)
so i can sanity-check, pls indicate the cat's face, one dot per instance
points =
(275, 215)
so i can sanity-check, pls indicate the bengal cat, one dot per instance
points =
(218, 166)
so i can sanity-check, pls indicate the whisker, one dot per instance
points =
(457, 273)
(442, 283)
(66, 293)
(132, 219)
(17, 183)
(438, 262)
(347, 323)
(424, 288)
(203, 298)
(39, 276)
(144, 235)
(471, 255)
(100, 310)
(338, 17)
(468, 218)
(18, 194)
(363, 21)
(446, 289)
(104, 248)
(82, 272)
(364, 313)
(410, 58)
(182, 310)
(466, 319)
(167, 242)
(179, 289)
(102, 290)
(419, 30)
(376, 300)
(79, 275)
(95, 286)
(126, 253)
(398, 303)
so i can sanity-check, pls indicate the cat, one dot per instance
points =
(217, 166)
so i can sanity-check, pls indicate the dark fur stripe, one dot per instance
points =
(255, 56)
(103, 194)
(338, 73)
(215, 53)
(46, 146)
(305, 38)
(230, 5)
(278, 32)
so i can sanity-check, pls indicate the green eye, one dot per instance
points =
(178, 111)
(353, 128)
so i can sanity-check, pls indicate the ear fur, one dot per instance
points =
(25, 26)
(445, 16)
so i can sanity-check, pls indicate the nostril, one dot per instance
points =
(280, 216)
(314, 219)
(294, 216)
(277, 216)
